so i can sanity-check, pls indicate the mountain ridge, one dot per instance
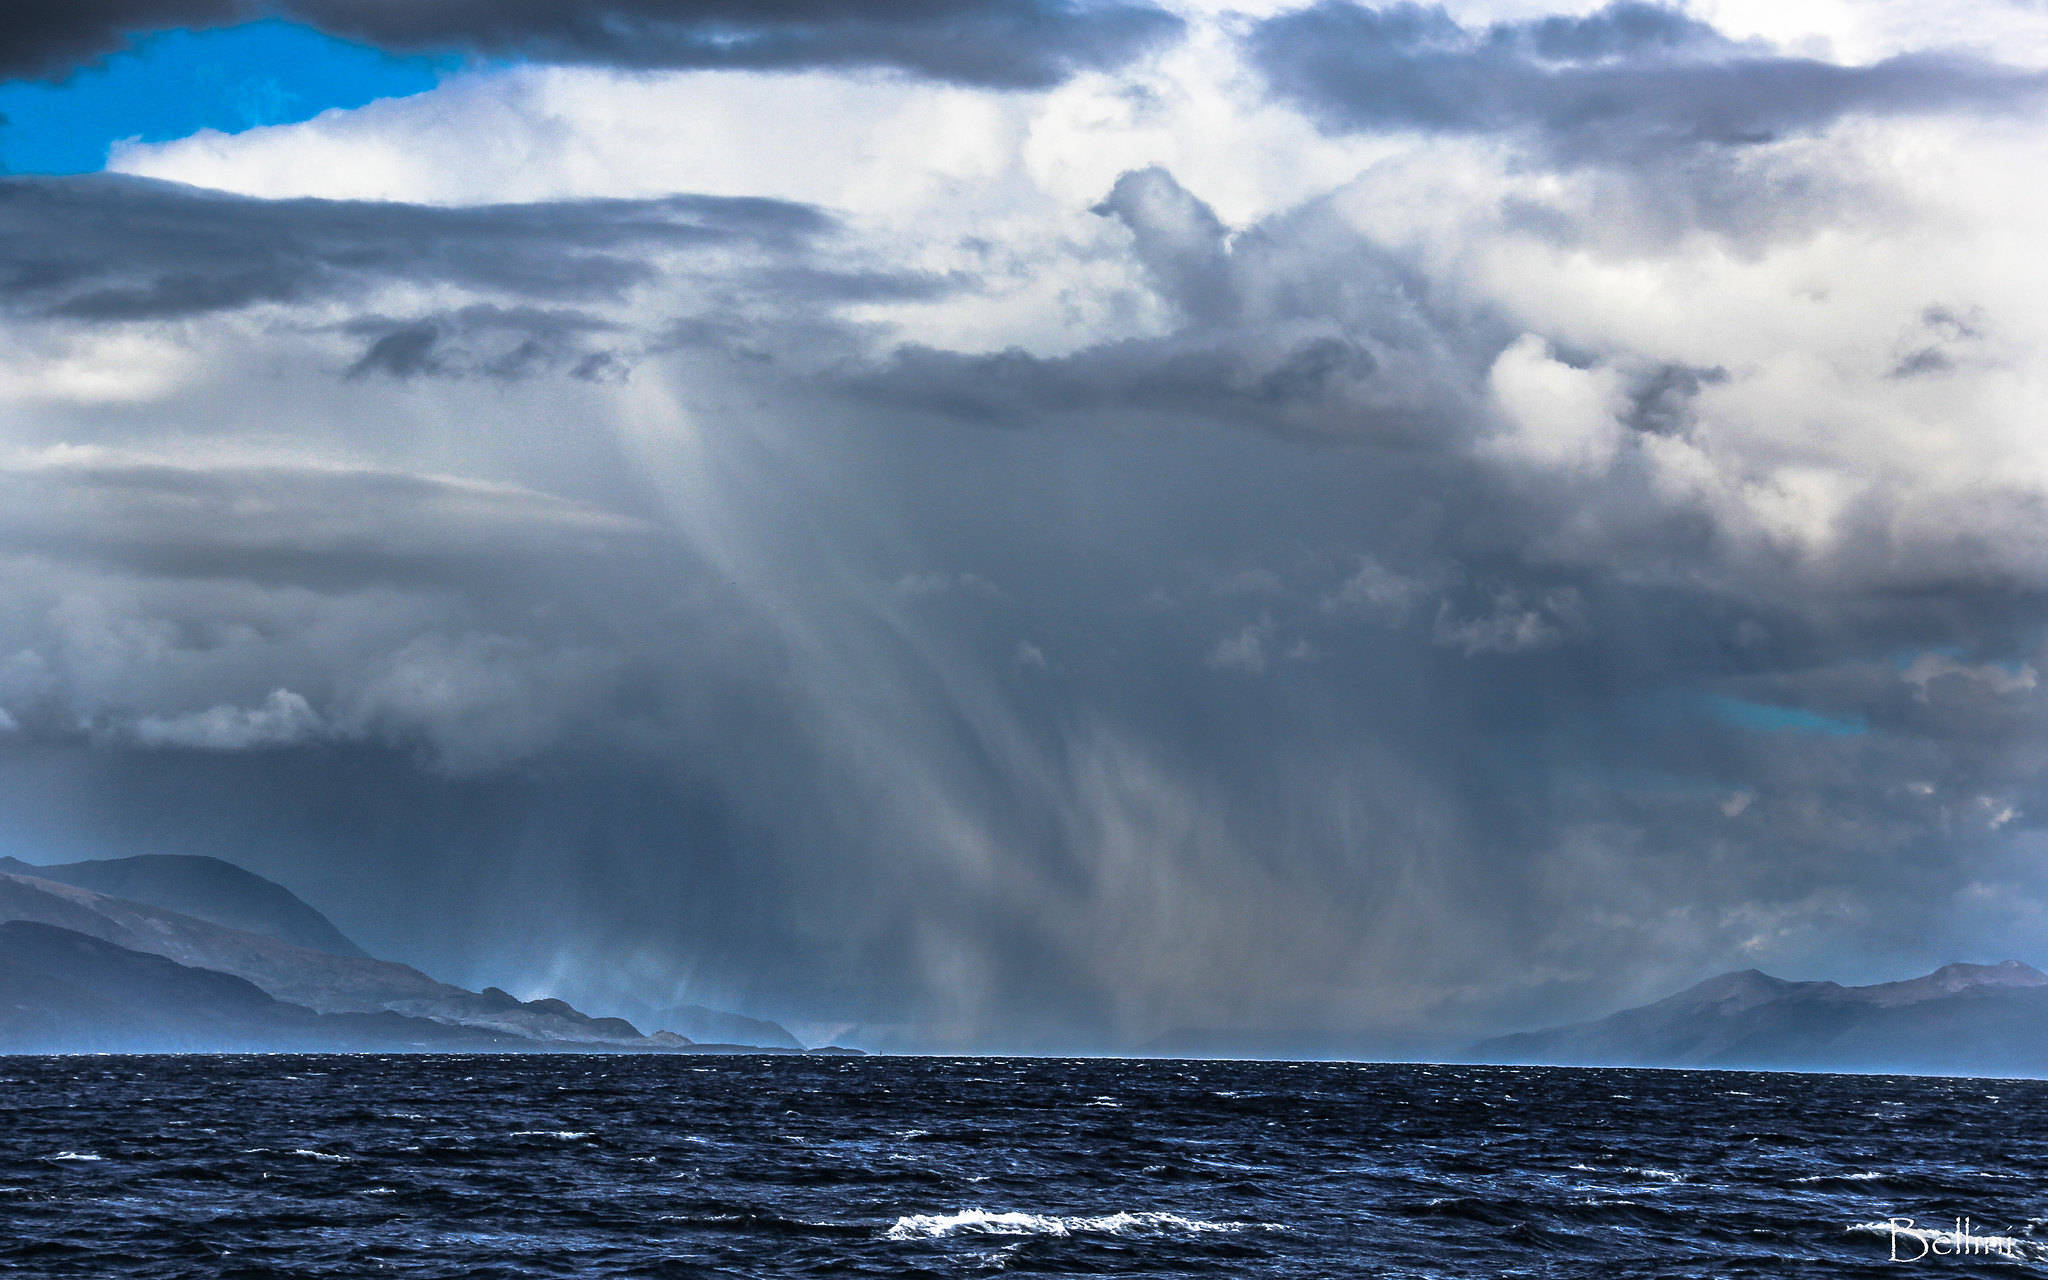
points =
(322, 982)
(71, 992)
(1957, 1019)
(206, 888)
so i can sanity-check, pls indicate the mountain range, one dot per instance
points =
(160, 953)
(166, 954)
(1961, 1019)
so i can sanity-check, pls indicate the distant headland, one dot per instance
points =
(158, 954)
(1961, 1019)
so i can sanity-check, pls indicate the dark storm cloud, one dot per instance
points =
(827, 285)
(995, 43)
(1661, 398)
(1244, 680)
(1628, 81)
(1033, 44)
(107, 248)
(1183, 245)
(508, 343)
(1295, 386)
(1622, 726)
(50, 38)
(1942, 340)
(404, 352)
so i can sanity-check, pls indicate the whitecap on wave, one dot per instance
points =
(929, 1226)
(1634, 1170)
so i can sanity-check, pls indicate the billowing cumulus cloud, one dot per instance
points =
(283, 719)
(1552, 510)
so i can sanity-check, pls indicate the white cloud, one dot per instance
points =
(996, 186)
(1929, 668)
(283, 719)
(476, 703)
(887, 148)
(1801, 270)
(1378, 590)
(1243, 651)
(1867, 30)
(1558, 416)
(1510, 625)
(40, 368)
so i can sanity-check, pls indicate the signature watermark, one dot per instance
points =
(1911, 1242)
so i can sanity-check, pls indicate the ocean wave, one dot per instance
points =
(566, 1135)
(930, 1226)
(763, 1222)
(78, 1157)
(328, 1156)
(1640, 1171)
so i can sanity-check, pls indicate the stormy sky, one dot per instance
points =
(1042, 524)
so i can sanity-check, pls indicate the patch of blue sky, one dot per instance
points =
(1767, 718)
(175, 83)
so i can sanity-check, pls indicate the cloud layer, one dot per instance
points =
(1624, 82)
(1554, 509)
(979, 42)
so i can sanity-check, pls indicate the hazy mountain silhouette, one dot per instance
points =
(1963, 1019)
(711, 1025)
(206, 888)
(324, 981)
(70, 992)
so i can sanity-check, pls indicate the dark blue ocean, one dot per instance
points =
(906, 1167)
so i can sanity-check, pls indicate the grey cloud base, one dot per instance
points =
(1624, 84)
(109, 248)
(1031, 44)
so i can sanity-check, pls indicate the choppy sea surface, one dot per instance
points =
(920, 1167)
